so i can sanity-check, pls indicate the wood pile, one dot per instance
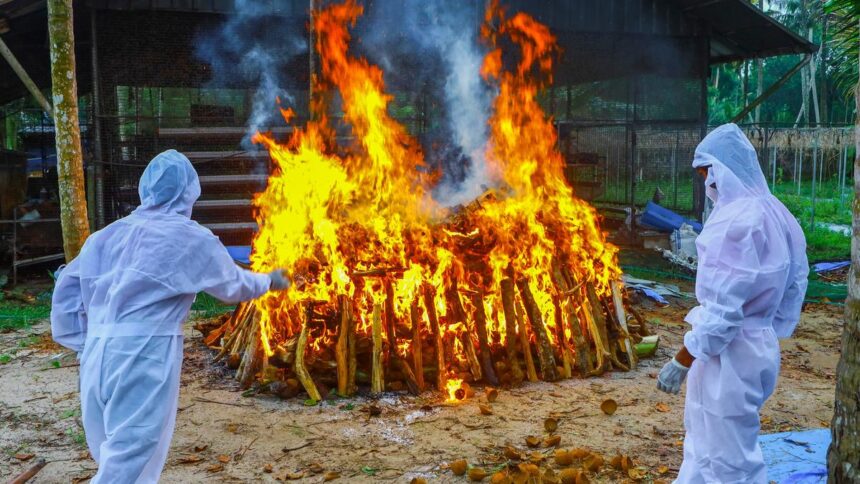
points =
(591, 334)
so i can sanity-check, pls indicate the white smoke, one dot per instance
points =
(254, 47)
(443, 35)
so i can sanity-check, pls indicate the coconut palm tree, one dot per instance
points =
(843, 457)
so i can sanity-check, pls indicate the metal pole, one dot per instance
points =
(844, 174)
(795, 165)
(814, 174)
(773, 177)
(97, 126)
(14, 246)
(311, 62)
(675, 171)
(800, 170)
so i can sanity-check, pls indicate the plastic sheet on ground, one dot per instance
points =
(830, 266)
(796, 457)
(654, 290)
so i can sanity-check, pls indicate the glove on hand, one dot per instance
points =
(671, 376)
(279, 279)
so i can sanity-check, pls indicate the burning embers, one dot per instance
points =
(403, 293)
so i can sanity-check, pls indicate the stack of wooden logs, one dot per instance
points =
(592, 334)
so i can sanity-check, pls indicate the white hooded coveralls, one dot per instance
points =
(750, 285)
(123, 301)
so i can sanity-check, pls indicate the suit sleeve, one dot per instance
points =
(68, 317)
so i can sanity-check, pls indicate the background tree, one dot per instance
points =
(843, 457)
(70, 166)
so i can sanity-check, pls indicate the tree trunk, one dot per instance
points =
(843, 457)
(70, 166)
(759, 89)
(759, 77)
(823, 62)
(812, 85)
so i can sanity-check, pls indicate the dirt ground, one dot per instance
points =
(222, 436)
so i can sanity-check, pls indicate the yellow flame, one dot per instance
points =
(330, 211)
(453, 385)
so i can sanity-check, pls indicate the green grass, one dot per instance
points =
(832, 205)
(72, 412)
(207, 306)
(77, 436)
(15, 315)
(824, 245)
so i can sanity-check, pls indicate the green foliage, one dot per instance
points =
(5, 358)
(207, 306)
(14, 315)
(845, 15)
(824, 245)
(833, 26)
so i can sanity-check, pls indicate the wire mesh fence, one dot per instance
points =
(634, 163)
(810, 170)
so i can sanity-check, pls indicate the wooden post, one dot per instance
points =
(70, 165)
(394, 359)
(417, 357)
(481, 328)
(458, 314)
(345, 349)
(511, 329)
(618, 302)
(562, 339)
(545, 356)
(527, 348)
(299, 367)
(582, 353)
(377, 384)
(430, 307)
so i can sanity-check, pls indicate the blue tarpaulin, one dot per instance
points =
(830, 266)
(796, 457)
(240, 253)
(661, 218)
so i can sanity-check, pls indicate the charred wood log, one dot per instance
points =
(545, 356)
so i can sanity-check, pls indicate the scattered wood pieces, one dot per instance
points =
(29, 473)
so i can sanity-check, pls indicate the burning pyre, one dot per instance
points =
(402, 292)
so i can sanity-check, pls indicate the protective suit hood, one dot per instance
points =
(734, 164)
(169, 184)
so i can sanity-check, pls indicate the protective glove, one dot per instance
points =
(671, 376)
(279, 279)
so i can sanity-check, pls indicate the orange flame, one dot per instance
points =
(331, 212)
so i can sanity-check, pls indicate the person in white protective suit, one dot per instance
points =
(750, 285)
(121, 304)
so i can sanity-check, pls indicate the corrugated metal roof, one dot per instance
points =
(288, 8)
(739, 30)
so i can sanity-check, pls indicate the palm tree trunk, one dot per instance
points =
(843, 457)
(812, 86)
(759, 76)
(70, 166)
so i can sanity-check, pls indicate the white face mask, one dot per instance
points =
(710, 182)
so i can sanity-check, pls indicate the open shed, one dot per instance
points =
(629, 98)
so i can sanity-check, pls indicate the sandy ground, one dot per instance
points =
(222, 436)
